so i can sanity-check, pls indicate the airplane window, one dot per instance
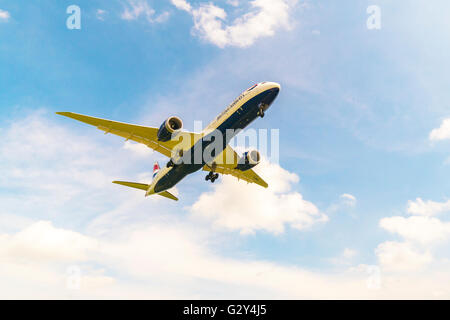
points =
(253, 87)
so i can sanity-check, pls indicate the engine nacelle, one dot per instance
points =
(168, 128)
(249, 160)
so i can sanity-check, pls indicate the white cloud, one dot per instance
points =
(137, 8)
(152, 247)
(143, 256)
(420, 232)
(236, 205)
(4, 15)
(100, 14)
(163, 17)
(423, 230)
(41, 253)
(11, 222)
(233, 3)
(441, 133)
(345, 258)
(346, 202)
(182, 5)
(177, 259)
(41, 241)
(348, 199)
(138, 149)
(349, 253)
(39, 256)
(401, 256)
(263, 20)
(428, 208)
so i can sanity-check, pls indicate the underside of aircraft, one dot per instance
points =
(189, 152)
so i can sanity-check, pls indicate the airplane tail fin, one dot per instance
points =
(145, 187)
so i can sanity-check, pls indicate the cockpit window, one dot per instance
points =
(253, 87)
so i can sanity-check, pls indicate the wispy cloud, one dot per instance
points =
(348, 199)
(134, 9)
(100, 14)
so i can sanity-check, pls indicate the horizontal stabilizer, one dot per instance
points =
(167, 194)
(135, 185)
(142, 186)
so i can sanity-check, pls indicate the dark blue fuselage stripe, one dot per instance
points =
(239, 119)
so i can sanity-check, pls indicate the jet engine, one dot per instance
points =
(168, 128)
(249, 160)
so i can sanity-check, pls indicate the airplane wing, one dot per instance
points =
(141, 134)
(148, 136)
(226, 162)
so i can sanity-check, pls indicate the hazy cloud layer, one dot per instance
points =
(135, 242)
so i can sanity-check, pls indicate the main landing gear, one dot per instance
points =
(261, 111)
(212, 176)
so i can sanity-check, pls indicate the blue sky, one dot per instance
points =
(355, 114)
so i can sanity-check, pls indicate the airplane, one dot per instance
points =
(188, 152)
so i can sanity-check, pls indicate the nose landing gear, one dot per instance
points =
(212, 176)
(170, 164)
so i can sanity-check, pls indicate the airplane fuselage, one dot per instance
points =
(248, 106)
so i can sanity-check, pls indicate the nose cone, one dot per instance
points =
(273, 89)
(271, 85)
(276, 85)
